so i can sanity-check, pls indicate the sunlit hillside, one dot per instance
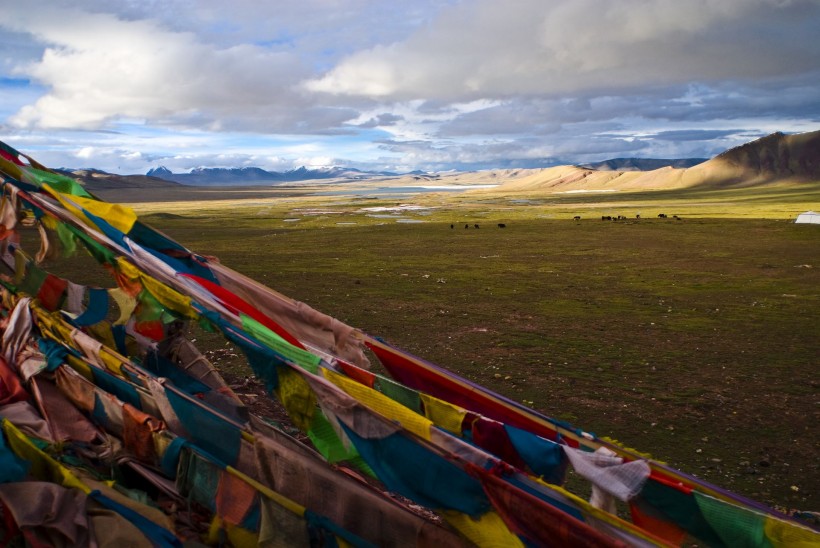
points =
(774, 159)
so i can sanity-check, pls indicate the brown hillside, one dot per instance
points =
(575, 179)
(774, 159)
(96, 181)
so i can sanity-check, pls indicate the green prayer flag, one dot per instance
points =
(399, 393)
(67, 239)
(102, 254)
(58, 182)
(33, 280)
(302, 358)
(736, 526)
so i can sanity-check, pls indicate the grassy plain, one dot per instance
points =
(695, 340)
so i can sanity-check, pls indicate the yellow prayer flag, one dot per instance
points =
(11, 169)
(298, 398)
(120, 217)
(783, 533)
(488, 530)
(20, 263)
(381, 404)
(130, 271)
(43, 467)
(238, 536)
(125, 302)
(80, 367)
(112, 363)
(49, 222)
(444, 414)
(168, 297)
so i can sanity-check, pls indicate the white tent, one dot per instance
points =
(808, 217)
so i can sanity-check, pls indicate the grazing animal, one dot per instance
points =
(466, 226)
(638, 216)
(502, 225)
(606, 217)
(676, 217)
(475, 226)
(577, 217)
(451, 226)
(661, 215)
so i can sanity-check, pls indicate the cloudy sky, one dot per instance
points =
(403, 84)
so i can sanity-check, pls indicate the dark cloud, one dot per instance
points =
(491, 49)
(694, 134)
(382, 120)
(510, 118)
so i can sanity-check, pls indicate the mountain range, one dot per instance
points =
(247, 176)
(641, 164)
(776, 158)
(254, 176)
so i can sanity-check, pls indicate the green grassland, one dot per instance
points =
(695, 340)
(773, 201)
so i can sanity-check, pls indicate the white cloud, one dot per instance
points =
(85, 153)
(108, 68)
(315, 161)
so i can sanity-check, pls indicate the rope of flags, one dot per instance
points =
(115, 427)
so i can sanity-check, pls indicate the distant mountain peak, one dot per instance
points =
(160, 172)
(641, 164)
